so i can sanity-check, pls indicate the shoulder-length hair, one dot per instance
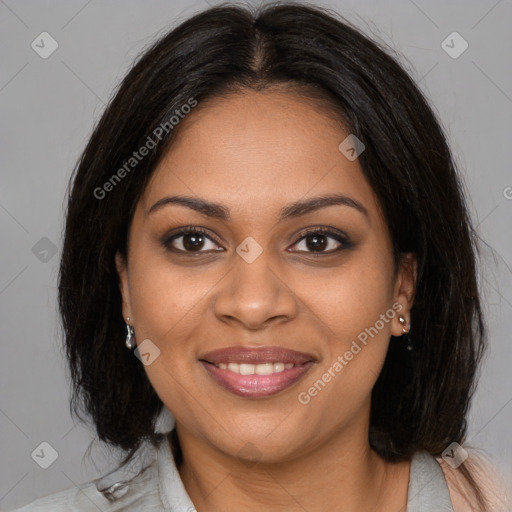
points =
(421, 398)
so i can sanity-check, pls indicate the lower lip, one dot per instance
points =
(257, 386)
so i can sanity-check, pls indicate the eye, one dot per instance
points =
(317, 241)
(323, 241)
(190, 240)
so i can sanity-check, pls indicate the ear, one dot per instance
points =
(405, 287)
(124, 287)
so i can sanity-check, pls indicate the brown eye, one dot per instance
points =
(193, 241)
(190, 241)
(323, 241)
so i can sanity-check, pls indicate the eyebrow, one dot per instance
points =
(292, 210)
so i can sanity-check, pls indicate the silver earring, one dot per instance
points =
(405, 330)
(403, 321)
(130, 336)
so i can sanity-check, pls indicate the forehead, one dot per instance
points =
(258, 150)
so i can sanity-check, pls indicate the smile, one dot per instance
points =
(256, 373)
(255, 369)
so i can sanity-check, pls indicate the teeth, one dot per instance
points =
(256, 369)
(278, 367)
(234, 367)
(264, 369)
(247, 369)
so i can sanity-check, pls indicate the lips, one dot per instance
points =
(256, 372)
(256, 355)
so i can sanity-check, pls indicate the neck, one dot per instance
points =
(343, 473)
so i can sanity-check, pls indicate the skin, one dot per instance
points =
(254, 153)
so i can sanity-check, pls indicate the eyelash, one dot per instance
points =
(345, 243)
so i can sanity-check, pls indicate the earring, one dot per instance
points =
(405, 330)
(130, 336)
(403, 321)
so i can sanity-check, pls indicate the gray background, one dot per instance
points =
(48, 107)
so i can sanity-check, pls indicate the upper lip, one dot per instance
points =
(256, 355)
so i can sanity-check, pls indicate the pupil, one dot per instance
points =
(193, 241)
(315, 244)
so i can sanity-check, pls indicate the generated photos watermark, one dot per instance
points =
(342, 360)
(151, 142)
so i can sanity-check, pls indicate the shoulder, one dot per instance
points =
(63, 501)
(486, 477)
(139, 493)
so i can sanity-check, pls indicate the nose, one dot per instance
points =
(256, 294)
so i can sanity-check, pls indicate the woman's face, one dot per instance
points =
(254, 280)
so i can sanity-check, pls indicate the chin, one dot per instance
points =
(267, 444)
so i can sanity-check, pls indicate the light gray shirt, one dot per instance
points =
(152, 483)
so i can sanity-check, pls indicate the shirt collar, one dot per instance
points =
(173, 495)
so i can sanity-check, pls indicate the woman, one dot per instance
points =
(267, 236)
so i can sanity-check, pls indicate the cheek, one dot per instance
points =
(348, 298)
(166, 298)
(170, 381)
(355, 303)
(351, 365)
